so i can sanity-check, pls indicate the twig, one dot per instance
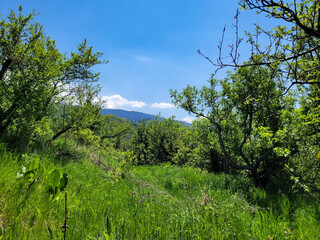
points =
(66, 217)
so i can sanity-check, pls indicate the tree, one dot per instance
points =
(33, 72)
(157, 141)
(293, 48)
(245, 111)
(199, 147)
(292, 51)
(140, 143)
(114, 131)
(81, 110)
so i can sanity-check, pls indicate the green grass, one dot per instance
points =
(150, 202)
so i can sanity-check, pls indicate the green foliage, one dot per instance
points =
(244, 111)
(247, 124)
(157, 141)
(78, 114)
(200, 147)
(304, 165)
(57, 183)
(158, 202)
(115, 132)
(87, 137)
(294, 45)
(29, 171)
(34, 73)
(293, 50)
(42, 132)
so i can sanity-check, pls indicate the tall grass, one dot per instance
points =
(150, 202)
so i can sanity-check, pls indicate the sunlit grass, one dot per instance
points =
(150, 202)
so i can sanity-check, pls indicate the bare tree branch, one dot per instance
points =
(286, 48)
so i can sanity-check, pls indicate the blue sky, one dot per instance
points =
(151, 45)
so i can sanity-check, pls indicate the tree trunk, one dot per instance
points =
(58, 134)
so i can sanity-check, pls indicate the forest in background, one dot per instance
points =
(258, 128)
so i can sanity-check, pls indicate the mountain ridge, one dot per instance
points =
(133, 116)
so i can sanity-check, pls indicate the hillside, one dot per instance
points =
(133, 116)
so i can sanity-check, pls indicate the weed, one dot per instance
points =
(150, 202)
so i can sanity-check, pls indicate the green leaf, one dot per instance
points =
(49, 231)
(107, 219)
(33, 164)
(54, 178)
(106, 236)
(58, 195)
(63, 182)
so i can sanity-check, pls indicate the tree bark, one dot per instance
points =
(5, 67)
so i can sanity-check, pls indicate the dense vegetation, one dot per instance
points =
(247, 168)
(151, 202)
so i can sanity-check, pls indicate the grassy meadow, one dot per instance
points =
(145, 202)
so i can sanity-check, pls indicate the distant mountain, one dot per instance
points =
(133, 116)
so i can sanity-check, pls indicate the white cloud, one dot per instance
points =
(162, 105)
(116, 101)
(188, 119)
